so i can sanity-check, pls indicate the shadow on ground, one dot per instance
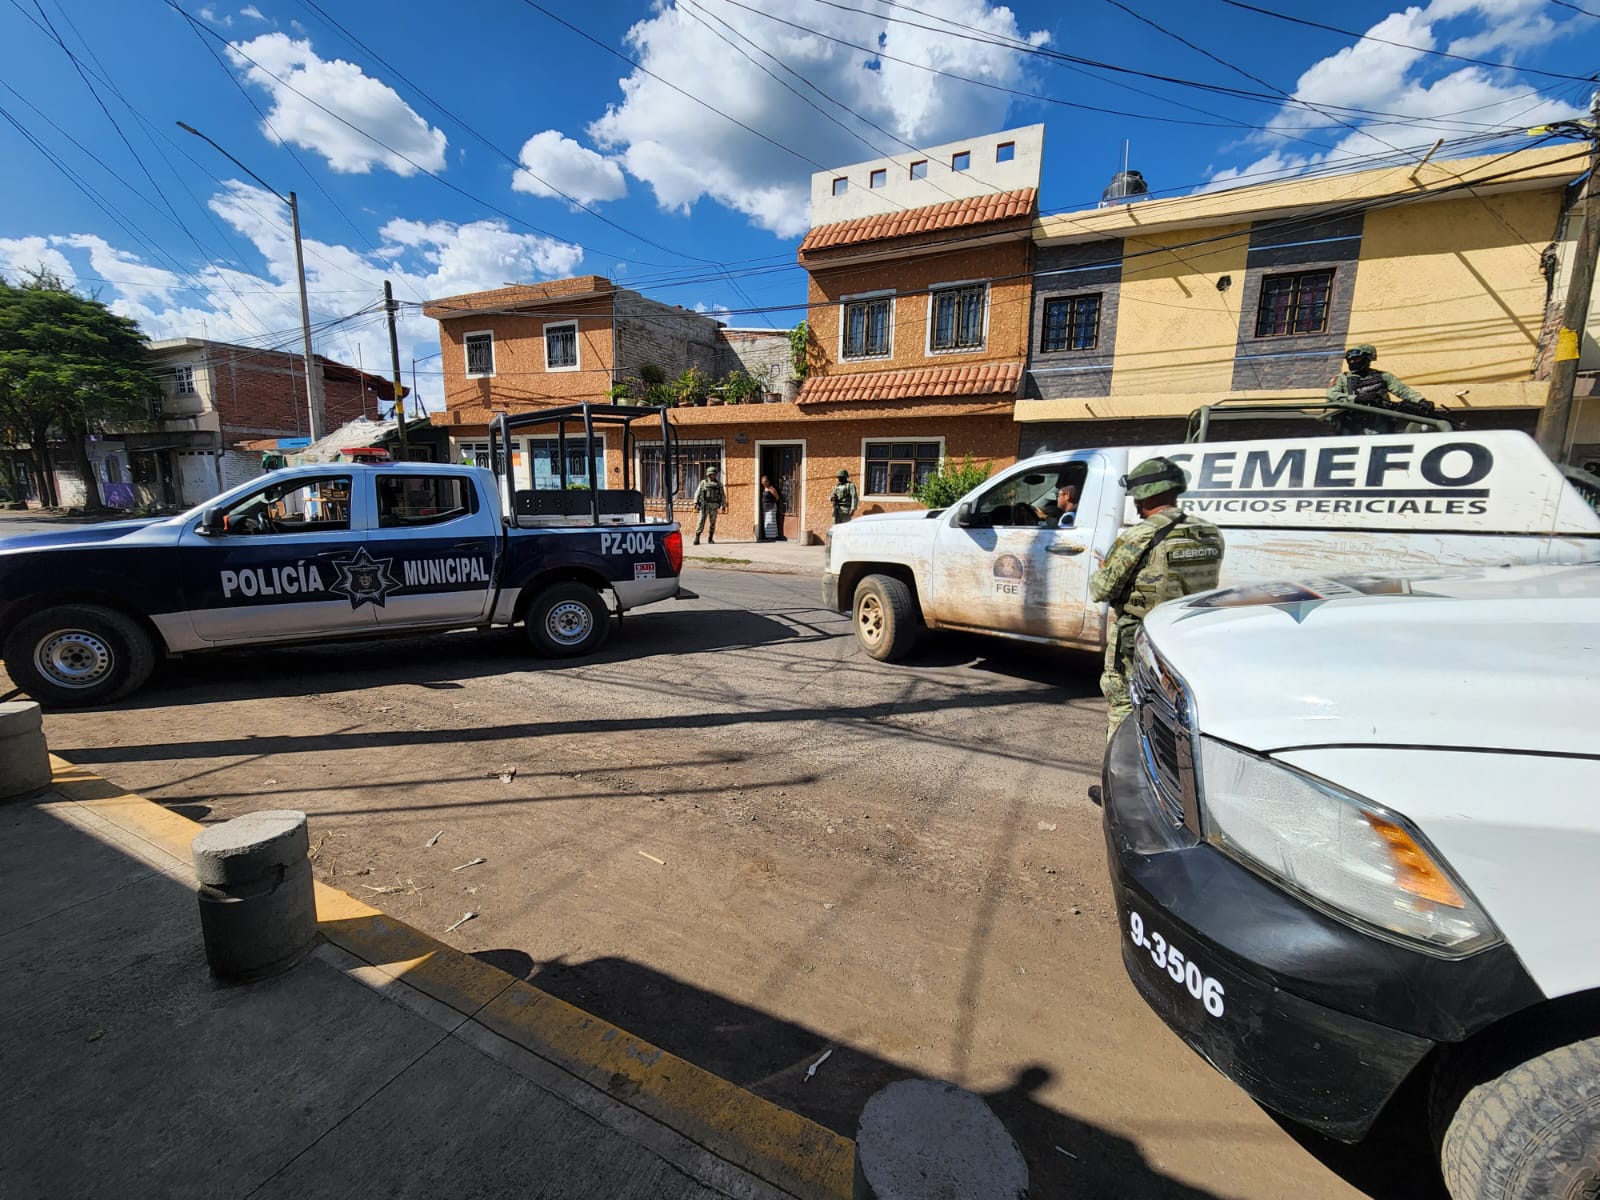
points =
(1067, 1157)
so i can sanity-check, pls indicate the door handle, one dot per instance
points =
(1068, 548)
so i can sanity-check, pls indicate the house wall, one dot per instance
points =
(1006, 263)
(830, 443)
(760, 353)
(263, 394)
(521, 380)
(650, 333)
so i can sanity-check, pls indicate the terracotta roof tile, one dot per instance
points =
(927, 383)
(517, 294)
(975, 210)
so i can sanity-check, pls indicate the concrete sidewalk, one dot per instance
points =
(385, 1064)
(776, 558)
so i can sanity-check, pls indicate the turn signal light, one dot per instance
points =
(1414, 871)
(674, 546)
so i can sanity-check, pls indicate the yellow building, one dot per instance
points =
(1144, 311)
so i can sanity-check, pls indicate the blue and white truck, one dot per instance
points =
(339, 550)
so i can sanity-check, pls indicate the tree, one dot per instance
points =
(67, 364)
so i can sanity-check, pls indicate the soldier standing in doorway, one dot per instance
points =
(1168, 554)
(845, 498)
(709, 499)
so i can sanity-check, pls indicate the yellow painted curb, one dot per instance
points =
(781, 1147)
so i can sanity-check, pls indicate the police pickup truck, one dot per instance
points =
(1352, 829)
(334, 551)
(998, 562)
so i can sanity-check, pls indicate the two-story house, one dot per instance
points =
(1144, 311)
(917, 309)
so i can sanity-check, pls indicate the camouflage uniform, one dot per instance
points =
(845, 499)
(709, 499)
(1188, 560)
(1369, 387)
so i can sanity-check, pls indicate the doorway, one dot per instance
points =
(784, 464)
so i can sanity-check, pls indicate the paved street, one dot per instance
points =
(737, 837)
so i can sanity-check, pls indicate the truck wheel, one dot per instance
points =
(887, 620)
(1529, 1133)
(567, 619)
(79, 654)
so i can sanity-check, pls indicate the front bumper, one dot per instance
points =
(830, 592)
(1313, 1018)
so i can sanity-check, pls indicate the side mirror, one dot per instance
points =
(964, 515)
(213, 523)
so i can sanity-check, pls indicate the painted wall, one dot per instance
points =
(521, 380)
(985, 176)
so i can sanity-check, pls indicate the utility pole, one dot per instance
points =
(1554, 431)
(390, 305)
(315, 404)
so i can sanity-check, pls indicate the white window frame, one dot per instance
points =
(577, 351)
(466, 353)
(844, 317)
(891, 496)
(183, 380)
(933, 296)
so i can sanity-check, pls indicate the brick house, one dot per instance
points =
(520, 348)
(1143, 312)
(214, 395)
(917, 306)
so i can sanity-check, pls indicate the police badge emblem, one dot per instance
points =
(364, 579)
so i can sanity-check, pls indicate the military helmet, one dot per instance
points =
(843, 474)
(1364, 348)
(713, 470)
(1155, 477)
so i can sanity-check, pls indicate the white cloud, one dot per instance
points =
(306, 93)
(251, 11)
(423, 259)
(1434, 99)
(555, 164)
(686, 152)
(208, 14)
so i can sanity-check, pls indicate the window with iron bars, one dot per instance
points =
(866, 329)
(1296, 303)
(1071, 323)
(958, 318)
(894, 468)
(689, 463)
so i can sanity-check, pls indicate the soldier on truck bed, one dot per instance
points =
(1360, 384)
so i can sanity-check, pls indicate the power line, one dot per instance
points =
(1366, 37)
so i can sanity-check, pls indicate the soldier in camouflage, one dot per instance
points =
(1166, 555)
(845, 498)
(708, 500)
(1360, 384)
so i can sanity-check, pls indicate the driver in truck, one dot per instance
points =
(1166, 555)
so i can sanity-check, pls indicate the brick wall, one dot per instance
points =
(650, 333)
(761, 353)
(262, 393)
(521, 380)
(1006, 264)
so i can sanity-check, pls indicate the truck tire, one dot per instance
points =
(79, 654)
(886, 618)
(1531, 1132)
(567, 619)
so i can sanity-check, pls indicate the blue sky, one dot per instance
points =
(456, 147)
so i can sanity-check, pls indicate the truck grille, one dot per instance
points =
(1164, 713)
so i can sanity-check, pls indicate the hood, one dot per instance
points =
(916, 514)
(1498, 658)
(78, 535)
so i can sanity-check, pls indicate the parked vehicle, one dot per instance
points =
(335, 551)
(1320, 505)
(1352, 828)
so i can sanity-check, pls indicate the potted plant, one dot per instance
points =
(799, 359)
(692, 387)
(740, 388)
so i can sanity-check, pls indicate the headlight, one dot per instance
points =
(1342, 853)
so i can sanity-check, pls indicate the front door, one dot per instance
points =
(289, 562)
(1019, 566)
(784, 467)
(439, 546)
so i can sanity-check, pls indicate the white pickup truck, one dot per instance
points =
(1352, 830)
(1287, 507)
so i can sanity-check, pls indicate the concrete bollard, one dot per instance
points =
(258, 909)
(924, 1137)
(24, 757)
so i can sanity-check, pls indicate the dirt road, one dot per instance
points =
(734, 835)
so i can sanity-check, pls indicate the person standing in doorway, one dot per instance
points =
(708, 501)
(771, 512)
(845, 498)
(1168, 554)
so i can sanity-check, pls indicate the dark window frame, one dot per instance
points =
(871, 347)
(557, 333)
(1067, 333)
(918, 169)
(690, 461)
(969, 303)
(899, 465)
(483, 340)
(1295, 303)
(841, 185)
(961, 160)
